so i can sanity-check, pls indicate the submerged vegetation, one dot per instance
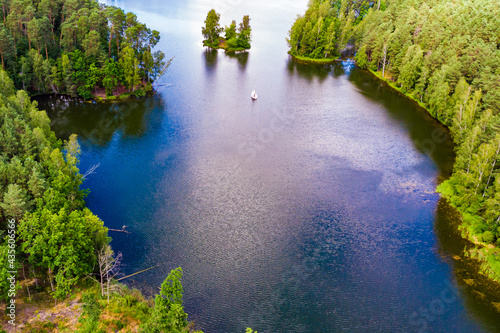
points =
(234, 40)
(77, 47)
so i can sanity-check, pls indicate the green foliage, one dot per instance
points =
(39, 188)
(168, 314)
(361, 58)
(90, 315)
(235, 40)
(113, 73)
(439, 53)
(15, 201)
(488, 237)
(66, 46)
(212, 29)
(5, 262)
(230, 31)
(130, 66)
(327, 28)
(244, 33)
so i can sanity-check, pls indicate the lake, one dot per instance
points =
(311, 209)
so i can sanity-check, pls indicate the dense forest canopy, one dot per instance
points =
(76, 46)
(327, 27)
(446, 55)
(46, 230)
(39, 188)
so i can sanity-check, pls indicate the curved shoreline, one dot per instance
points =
(479, 250)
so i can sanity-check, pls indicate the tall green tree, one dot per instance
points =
(130, 66)
(15, 201)
(168, 314)
(212, 29)
(7, 50)
(244, 33)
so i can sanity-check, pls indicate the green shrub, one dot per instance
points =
(488, 237)
(124, 96)
(90, 314)
(119, 324)
(140, 92)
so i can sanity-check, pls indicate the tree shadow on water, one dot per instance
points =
(309, 71)
(210, 57)
(241, 57)
(428, 135)
(96, 123)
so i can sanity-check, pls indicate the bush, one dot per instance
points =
(488, 237)
(232, 42)
(124, 96)
(119, 324)
(140, 92)
(90, 314)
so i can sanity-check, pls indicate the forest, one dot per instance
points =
(327, 28)
(77, 47)
(444, 55)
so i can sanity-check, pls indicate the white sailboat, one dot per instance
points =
(254, 95)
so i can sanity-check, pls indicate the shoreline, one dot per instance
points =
(223, 46)
(307, 60)
(109, 99)
(481, 252)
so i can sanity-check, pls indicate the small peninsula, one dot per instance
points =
(234, 40)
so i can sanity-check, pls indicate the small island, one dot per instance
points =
(233, 40)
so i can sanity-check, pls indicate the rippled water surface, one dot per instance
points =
(311, 209)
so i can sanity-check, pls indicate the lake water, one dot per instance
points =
(312, 209)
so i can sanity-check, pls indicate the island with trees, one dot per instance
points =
(234, 40)
(448, 61)
(79, 48)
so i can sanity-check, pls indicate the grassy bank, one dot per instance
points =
(38, 312)
(312, 60)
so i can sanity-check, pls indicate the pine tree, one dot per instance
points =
(15, 201)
